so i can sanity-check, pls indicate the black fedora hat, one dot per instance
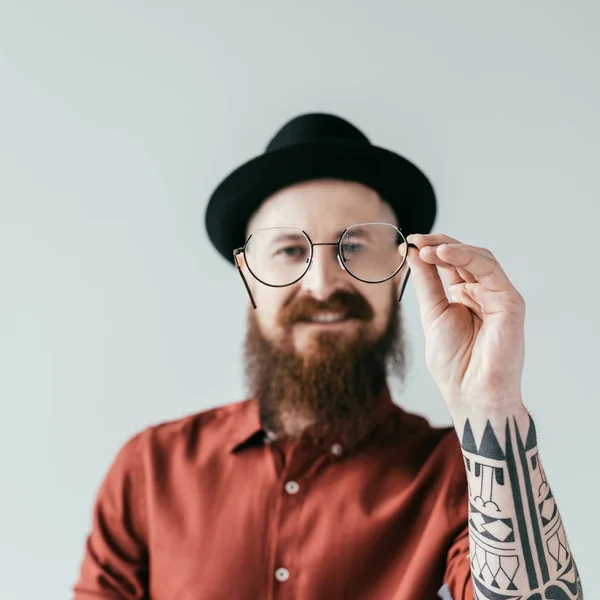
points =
(315, 146)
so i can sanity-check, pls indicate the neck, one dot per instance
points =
(292, 424)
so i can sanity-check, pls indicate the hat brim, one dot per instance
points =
(399, 182)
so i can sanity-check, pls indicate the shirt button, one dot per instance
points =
(336, 449)
(282, 574)
(292, 487)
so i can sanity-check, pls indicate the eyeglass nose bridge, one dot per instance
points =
(339, 258)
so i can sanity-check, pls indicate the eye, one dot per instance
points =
(353, 247)
(291, 252)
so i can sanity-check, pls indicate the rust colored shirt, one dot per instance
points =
(208, 508)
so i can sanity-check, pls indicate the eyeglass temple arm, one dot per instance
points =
(236, 252)
(406, 278)
(404, 284)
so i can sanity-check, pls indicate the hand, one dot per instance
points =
(475, 345)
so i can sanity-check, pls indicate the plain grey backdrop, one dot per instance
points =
(117, 119)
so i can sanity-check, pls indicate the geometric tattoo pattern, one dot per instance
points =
(515, 527)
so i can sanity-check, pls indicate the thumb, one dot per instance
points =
(429, 288)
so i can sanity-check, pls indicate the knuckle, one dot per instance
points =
(518, 300)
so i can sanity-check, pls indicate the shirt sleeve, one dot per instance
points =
(115, 560)
(457, 579)
(458, 584)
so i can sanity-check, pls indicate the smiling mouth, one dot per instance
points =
(327, 318)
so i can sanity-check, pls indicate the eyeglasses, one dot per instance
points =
(281, 256)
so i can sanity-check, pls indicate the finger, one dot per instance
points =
(479, 262)
(430, 255)
(404, 246)
(463, 293)
(429, 287)
(452, 274)
(424, 241)
(430, 239)
(403, 249)
(427, 243)
(491, 302)
(465, 275)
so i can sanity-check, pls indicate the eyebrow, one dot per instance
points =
(282, 237)
(355, 230)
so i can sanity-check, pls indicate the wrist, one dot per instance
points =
(487, 407)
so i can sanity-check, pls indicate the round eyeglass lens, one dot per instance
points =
(373, 252)
(278, 256)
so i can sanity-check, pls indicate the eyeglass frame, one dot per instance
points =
(338, 244)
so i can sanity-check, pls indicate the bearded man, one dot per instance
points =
(318, 486)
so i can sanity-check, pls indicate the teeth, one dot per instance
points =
(327, 318)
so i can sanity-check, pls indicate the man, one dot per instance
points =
(318, 486)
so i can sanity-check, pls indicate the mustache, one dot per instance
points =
(305, 308)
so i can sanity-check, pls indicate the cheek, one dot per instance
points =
(381, 298)
(269, 302)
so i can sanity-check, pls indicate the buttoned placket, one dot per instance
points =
(295, 464)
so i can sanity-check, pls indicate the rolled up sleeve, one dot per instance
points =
(458, 584)
(457, 578)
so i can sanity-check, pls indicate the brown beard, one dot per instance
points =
(337, 384)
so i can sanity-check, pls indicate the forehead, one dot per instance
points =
(321, 208)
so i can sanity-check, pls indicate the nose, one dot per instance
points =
(324, 274)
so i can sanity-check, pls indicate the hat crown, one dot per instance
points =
(316, 146)
(316, 127)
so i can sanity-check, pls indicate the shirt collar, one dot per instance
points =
(249, 431)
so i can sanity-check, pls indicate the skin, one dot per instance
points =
(323, 209)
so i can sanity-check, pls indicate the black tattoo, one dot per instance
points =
(516, 533)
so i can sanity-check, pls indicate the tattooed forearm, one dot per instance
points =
(518, 545)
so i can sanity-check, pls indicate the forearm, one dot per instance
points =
(517, 540)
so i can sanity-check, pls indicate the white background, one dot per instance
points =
(117, 119)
